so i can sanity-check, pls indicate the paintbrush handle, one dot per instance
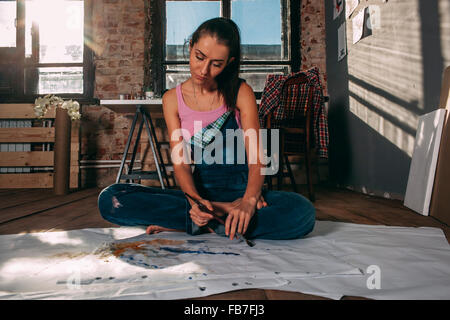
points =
(205, 209)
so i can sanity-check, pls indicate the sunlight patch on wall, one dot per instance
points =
(390, 61)
(397, 136)
(404, 116)
(396, 73)
(444, 17)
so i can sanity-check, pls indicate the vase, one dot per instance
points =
(61, 152)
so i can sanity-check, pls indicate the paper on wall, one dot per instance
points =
(350, 6)
(342, 41)
(338, 7)
(361, 25)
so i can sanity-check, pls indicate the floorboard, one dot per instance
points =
(21, 196)
(22, 207)
(38, 210)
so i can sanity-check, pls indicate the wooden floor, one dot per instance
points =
(37, 210)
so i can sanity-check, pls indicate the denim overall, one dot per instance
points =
(288, 215)
(224, 181)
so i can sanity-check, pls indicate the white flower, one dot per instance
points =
(42, 104)
(66, 104)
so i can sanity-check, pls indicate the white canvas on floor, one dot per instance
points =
(336, 259)
(424, 160)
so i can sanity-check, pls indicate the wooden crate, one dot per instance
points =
(33, 158)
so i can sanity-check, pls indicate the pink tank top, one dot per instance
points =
(201, 118)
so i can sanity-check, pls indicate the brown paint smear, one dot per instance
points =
(70, 255)
(119, 248)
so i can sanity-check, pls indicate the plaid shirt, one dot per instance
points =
(283, 110)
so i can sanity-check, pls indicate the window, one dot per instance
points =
(8, 15)
(269, 37)
(44, 50)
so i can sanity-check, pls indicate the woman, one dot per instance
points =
(213, 98)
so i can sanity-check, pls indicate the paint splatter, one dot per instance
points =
(195, 241)
(85, 282)
(201, 251)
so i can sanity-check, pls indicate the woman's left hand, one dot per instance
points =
(239, 216)
(261, 203)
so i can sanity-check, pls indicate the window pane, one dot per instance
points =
(60, 80)
(8, 16)
(256, 75)
(183, 17)
(29, 6)
(60, 25)
(260, 23)
(176, 74)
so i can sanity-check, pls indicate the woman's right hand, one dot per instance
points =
(201, 218)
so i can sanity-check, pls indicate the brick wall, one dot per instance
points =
(313, 38)
(118, 42)
(119, 46)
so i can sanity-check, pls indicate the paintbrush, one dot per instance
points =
(205, 209)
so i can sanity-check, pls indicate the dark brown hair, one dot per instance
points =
(226, 32)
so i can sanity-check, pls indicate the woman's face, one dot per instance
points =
(207, 60)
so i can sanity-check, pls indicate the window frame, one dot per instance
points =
(159, 64)
(18, 83)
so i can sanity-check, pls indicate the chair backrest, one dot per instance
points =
(295, 109)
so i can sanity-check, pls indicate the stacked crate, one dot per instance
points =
(26, 148)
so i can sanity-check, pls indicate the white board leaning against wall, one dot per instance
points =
(424, 160)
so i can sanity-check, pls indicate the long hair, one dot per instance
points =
(226, 32)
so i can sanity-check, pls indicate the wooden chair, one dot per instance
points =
(296, 131)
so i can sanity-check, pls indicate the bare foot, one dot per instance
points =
(157, 229)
